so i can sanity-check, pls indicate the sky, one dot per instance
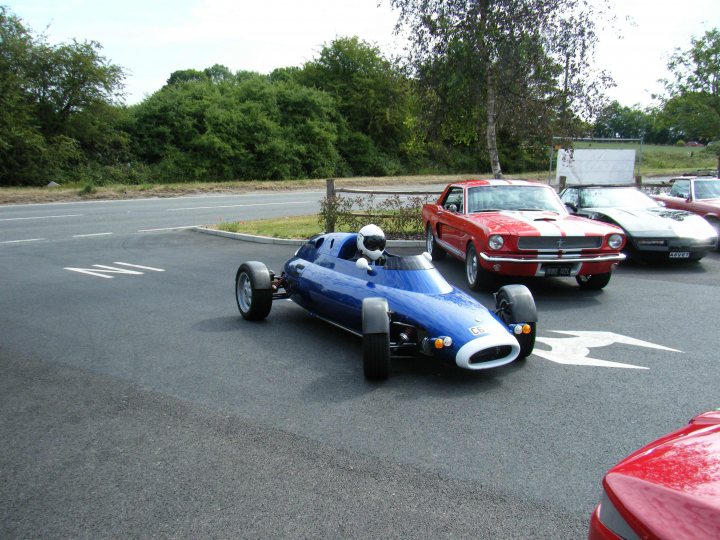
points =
(151, 39)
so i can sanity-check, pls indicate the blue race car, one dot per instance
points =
(398, 305)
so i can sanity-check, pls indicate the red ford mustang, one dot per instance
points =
(670, 489)
(519, 228)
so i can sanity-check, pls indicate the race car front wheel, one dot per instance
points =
(376, 338)
(253, 290)
(376, 356)
(515, 304)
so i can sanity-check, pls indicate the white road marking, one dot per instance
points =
(138, 266)
(575, 350)
(100, 270)
(233, 206)
(21, 241)
(41, 217)
(93, 234)
(170, 228)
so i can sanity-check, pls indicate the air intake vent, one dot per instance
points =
(490, 354)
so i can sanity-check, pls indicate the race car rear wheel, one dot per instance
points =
(515, 304)
(436, 252)
(594, 282)
(253, 290)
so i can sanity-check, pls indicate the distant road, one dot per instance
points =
(77, 220)
(54, 221)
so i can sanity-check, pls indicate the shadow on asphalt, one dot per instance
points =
(336, 357)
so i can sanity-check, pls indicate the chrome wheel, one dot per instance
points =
(244, 292)
(471, 265)
(431, 245)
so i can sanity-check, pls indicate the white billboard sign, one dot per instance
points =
(596, 166)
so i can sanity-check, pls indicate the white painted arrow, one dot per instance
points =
(575, 350)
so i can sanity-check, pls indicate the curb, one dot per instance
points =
(289, 241)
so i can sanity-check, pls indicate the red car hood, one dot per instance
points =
(541, 224)
(671, 487)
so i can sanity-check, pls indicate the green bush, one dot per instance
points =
(399, 217)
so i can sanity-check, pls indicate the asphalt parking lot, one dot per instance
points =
(140, 404)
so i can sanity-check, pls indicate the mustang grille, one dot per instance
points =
(491, 353)
(554, 243)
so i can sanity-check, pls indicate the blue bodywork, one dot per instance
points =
(323, 278)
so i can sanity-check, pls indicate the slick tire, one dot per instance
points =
(253, 291)
(376, 339)
(376, 356)
(515, 304)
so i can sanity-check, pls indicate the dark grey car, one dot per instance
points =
(653, 231)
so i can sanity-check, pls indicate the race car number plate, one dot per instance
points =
(679, 254)
(558, 270)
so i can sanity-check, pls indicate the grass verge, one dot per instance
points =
(284, 227)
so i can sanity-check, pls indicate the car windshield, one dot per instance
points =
(707, 189)
(615, 198)
(517, 197)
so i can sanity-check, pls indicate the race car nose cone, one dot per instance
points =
(487, 352)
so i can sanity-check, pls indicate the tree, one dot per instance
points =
(692, 104)
(243, 127)
(698, 68)
(371, 94)
(67, 79)
(46, 93)
(186, 75)
(19, 139)
(504, 65)
(616, 120)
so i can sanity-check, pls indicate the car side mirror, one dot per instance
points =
(453, 208)
(572, 207)
(363, 264)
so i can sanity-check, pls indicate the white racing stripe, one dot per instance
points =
(545, 228)
(559, 227)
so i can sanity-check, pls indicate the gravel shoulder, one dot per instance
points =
(39, 195)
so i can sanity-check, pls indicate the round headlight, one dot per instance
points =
(615, 241)
(495, 241)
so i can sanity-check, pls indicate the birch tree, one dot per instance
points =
(515, 66)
